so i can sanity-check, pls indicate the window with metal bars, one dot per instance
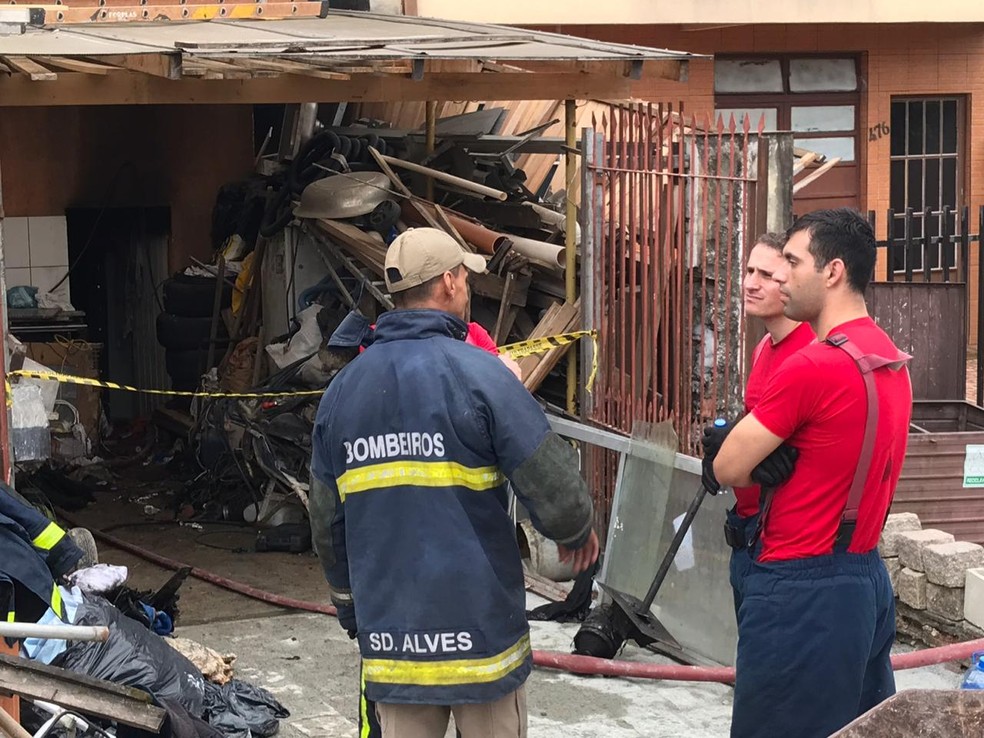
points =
(926, 175)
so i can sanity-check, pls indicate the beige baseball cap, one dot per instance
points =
(420, 254)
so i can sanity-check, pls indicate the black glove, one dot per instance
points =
(707, 477)
(775, 468)
(346, 618)
(711, 441)
(713, 437)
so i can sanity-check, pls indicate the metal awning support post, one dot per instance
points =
(570, 236)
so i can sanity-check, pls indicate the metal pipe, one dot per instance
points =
(431, 141)
(570, 243)
(98, 633)
(464, 184)
(11, 727)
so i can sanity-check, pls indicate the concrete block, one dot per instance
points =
(945, 602)
(894, 567)
(911, 544)
(912, 588)
(895, 524)
(974, 598)
(946, 564)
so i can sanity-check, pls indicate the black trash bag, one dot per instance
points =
(133, 656)
(241, 710)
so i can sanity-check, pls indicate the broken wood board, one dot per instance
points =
(81, 693)
(561, 318)
(357, 242)
(544, 587)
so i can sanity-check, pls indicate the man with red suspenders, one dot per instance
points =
(784, 337)
(817, 621)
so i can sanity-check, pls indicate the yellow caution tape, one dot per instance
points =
(89, 382)
(522, 349)
(515, 350)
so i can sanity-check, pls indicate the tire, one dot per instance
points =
(189, 365)
(193, 297)
(177, 332)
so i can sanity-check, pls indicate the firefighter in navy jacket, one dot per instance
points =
(413, 445)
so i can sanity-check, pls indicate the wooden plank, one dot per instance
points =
(156, 13)
(222, 70)
(12, 703)
(280, 66)
(536, 368)
(167, 65)
(74, 65)
(74, 691)
(124, 89)
(31, 68)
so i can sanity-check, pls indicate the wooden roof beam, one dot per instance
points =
(167, 66)
(29, 67)
(128, 88)
(68, 64)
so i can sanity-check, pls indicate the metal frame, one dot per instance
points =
(960, 159)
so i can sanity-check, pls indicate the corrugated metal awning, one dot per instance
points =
(346, 42)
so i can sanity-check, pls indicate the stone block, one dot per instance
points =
(888, 544)
(912, 588)
(894, 567)
(945, 602)
(946, 564)
(974, 598)
(911, 544)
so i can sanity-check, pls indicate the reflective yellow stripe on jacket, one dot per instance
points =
(418, 474)
(448, 673)
(47, 538)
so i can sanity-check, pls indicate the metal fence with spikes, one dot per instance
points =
(667, 206)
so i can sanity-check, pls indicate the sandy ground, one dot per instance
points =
(309, 663)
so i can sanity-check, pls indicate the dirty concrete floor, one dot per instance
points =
(312, 667)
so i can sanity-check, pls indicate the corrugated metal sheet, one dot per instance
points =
(932, 477)
(344, 34)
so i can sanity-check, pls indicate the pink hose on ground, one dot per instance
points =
(547, 659)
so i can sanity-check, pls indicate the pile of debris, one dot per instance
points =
(339, 200)
(92, 654)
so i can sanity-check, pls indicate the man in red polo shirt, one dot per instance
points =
(784, 337)
(817, 622)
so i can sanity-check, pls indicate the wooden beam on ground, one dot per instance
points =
(31, 68)
(163, 65)
(64, 688)
(68, 64)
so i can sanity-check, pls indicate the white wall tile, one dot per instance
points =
(48, 237)
(44, 278)
(17, 277)
(16, 249)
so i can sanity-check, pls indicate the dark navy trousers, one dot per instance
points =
(814, 645)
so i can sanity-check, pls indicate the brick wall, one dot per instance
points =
(905, 59)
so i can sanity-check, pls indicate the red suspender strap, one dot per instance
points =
(867, 364)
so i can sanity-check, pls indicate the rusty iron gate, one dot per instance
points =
(667, 204)
(921, 295)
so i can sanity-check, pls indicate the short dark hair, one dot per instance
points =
(413, 296)
(772, 240)
(841, 233)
